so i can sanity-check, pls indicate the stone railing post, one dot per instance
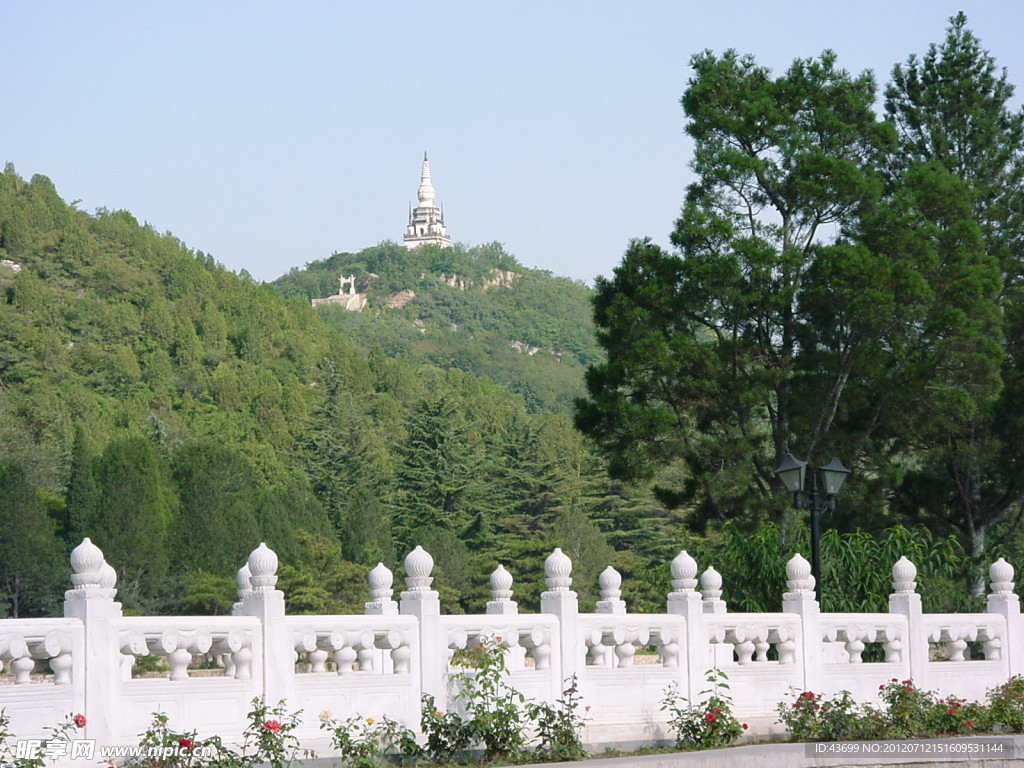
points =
(262, 600)
(421, 601)
(684, 600)
(800, 599)
(501, 602)
(380, 580)
(905, 600)
(711, 592)
(609, 585)
(1004, 601)
(560, 601)
(92, 601)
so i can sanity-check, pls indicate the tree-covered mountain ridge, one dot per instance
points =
(178, 414)
(474, 308)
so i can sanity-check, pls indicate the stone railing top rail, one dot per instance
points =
(152, 624)
(38, 627)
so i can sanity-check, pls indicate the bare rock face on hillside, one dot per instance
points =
(399, 300)
(499, 278)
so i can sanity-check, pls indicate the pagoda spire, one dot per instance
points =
(426, 221)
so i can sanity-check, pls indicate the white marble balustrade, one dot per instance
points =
(380, 663)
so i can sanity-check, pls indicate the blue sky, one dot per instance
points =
(273, 134)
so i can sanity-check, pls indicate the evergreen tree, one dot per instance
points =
(216, 526)
(31, 555)
(952, 110)
(80, 501)
(133, 519)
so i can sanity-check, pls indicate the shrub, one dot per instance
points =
(1006, 706)
(708, 724)
(811, 717)
(363, 742)
(559, 727)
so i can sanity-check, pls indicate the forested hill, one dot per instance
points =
(475, 309)
(178, 414)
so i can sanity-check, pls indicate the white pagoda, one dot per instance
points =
(426, 220)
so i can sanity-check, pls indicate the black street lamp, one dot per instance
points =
(793, 472)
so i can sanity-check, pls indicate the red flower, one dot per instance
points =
(881, 687)
(895, 680)
(272, 725)
(816, 707)
(968, 723)
(956, 703)
(808, 694)
(185, 743)
(79, 721)
(950, 711)
(744, 726)
(710, 717)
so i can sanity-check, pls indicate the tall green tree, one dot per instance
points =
(703, 347)
(346, 458)
(80, 501)
(133, 518)
(31, 554)
(216, 525)
(952, 109)
(808, 307)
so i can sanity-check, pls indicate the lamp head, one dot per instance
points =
(834, 475)
(792, 472)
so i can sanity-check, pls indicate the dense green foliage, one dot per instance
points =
(842, 284)
(475, 309)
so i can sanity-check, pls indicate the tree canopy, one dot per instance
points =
(842, 284)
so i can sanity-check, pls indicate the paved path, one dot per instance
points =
(1002, 752)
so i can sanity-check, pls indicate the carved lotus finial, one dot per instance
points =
(1000, 573)
(711, 584)
(242, 578)
(86, 564)
(610, 580)
(903, 574)
(108, 576)
(263, 567)
(500, 580)
(798, 568)
(558, 570)
(684, 566)
(380, 580)
(419, 563)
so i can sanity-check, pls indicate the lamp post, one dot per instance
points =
(793, 472)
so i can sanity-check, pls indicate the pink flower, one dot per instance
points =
(710, 717)
(586, 708)
(272, 725)
(79, 721)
